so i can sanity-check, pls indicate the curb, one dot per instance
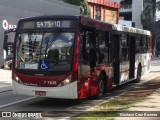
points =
(5, 89)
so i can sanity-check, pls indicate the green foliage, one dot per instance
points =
(148, 18)
(74, 2)
(148, 14)
(158, 44)
(84, 8)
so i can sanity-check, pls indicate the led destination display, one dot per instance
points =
(48, 24)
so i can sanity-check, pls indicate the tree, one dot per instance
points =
(84, 8)
(150, 9)
(74, 2)
(148, 19)
(158, 43)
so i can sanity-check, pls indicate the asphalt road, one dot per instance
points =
(64, 108)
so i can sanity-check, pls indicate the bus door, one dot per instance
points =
(116, 61)
(124, 58)
(131, 57)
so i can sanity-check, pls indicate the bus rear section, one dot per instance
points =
(110, 55)
(44, 61)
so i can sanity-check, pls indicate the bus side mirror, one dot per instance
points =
(5, 47)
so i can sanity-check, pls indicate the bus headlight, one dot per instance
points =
(65, 82)
(17, 79)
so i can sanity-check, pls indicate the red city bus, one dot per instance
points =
(73, 57)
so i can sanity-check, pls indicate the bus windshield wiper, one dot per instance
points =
(50, 42)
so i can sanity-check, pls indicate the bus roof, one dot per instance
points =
(117, 27)
(102, 24)
(130, 29)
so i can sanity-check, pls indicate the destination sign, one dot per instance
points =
(48, 24)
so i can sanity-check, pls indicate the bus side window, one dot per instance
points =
(138, 47)
(147, 44)
(108, 46)
(104, 47)
(100, 47)
(124, 47)
(83, 47)
(92, 49)
(144, 44)
(141, 45)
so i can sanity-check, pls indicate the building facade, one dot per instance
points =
(104, 10)
(141, 12)
(131, 11)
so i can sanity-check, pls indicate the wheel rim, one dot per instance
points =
(100, 86)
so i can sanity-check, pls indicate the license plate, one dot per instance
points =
(40, 93)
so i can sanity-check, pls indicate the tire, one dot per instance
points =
(139, 71)
(101, 86)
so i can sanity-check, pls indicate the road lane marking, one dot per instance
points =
(12, 103)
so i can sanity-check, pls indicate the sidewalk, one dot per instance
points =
(5, 80)
(150, 104)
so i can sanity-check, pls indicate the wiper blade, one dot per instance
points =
(51, 42)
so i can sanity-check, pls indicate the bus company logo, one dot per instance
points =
(6, 25)
(21, 114)
(6, 114)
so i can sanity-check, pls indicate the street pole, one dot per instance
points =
(156, 44)
(154, 31)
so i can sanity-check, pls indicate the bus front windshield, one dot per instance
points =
(44, 51)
